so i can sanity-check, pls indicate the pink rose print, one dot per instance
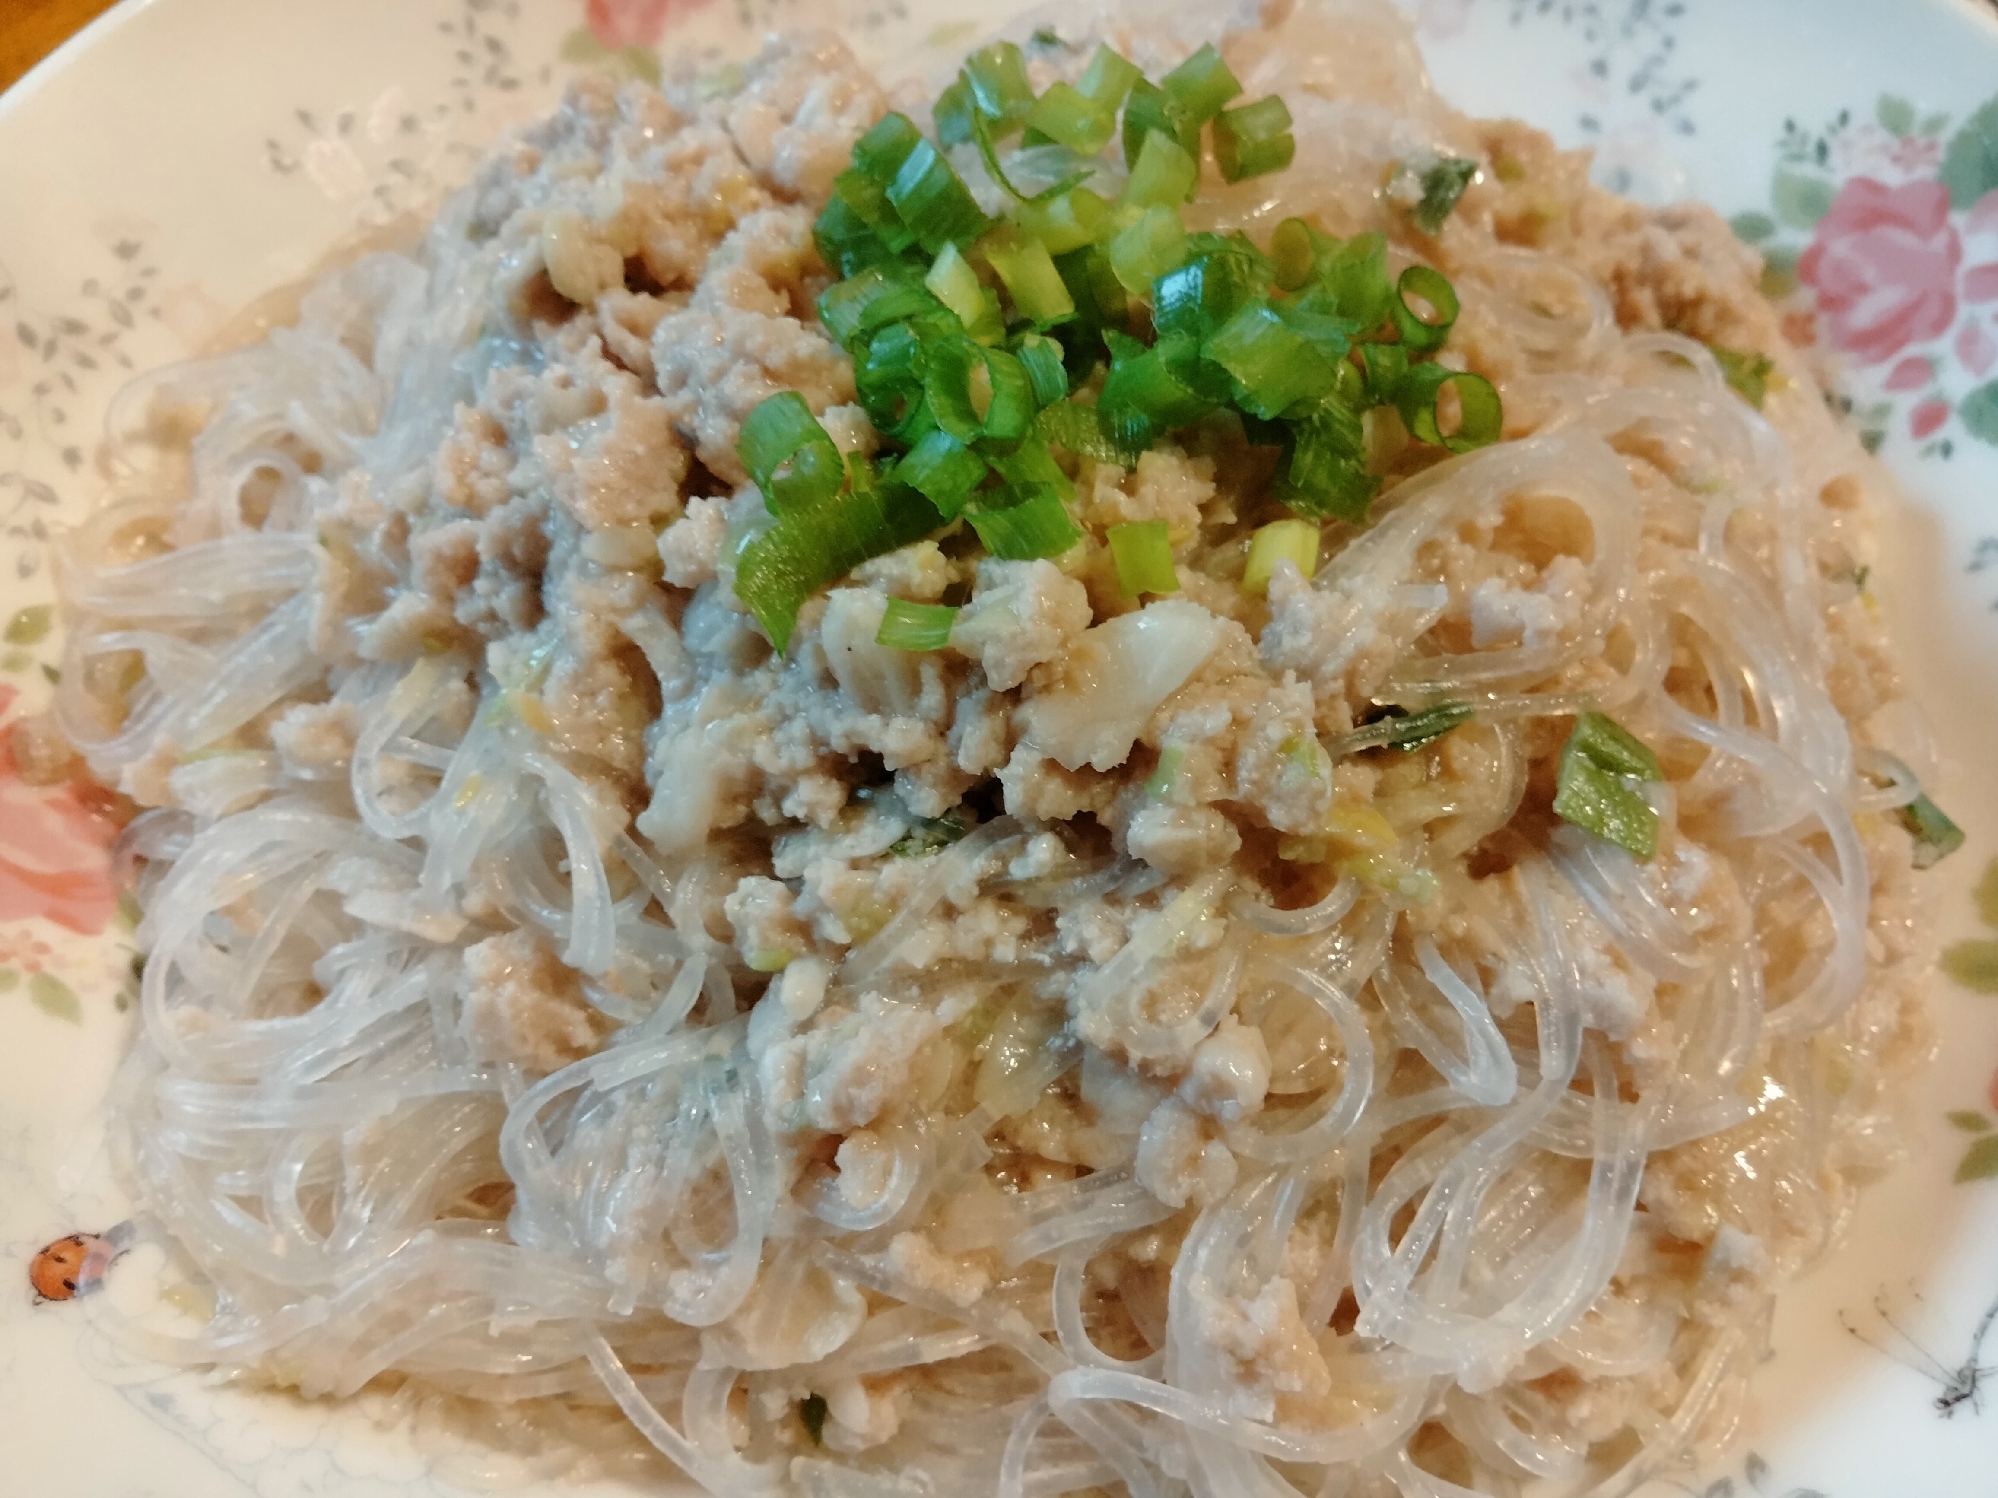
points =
(1980, 243)
(633, 23)
(1912, 373)
(1976, 348)
(55, 850)
(1914, 155)
(1883, 263)
(1925, 418)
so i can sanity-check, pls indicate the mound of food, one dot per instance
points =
(1168, 775)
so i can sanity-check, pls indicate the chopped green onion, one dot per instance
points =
(963, 377)
(1149, 393)
(1064, 223)
(888, 374)
(1936, 836)
(1071, 118)
(955, 284)
(846, 241)
(788, 453)
(1254, 140)
(1150, 108)
(1220, 277)
(1100, 298)
(1032, 463)
(1354, 277)
(1324, 474)
(1442, 184)
(1296, 250)
(1747, 374)
(1481, 414)
(868, 199)
(981, 133)
(1150, 247)
(1593, 790)
(943, 470)
(954, 112)
(1163, 175)
(1034, 524)
(915, 626)
(1612, 747)
(928, 835)
(1202, 85)
(1159, 785)
(1274, 366)
(782, 566)
(844, 305)
(880, 153)
(1080, 429)
(1294, 541)
(1412, 730)
(1142, 550)
(934, 201)
(1109, 77)
(1030, 277)
(997, 78)
(1418, 334)
(1041, 357)
(1386, 366)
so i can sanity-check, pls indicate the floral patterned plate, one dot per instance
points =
(184, 156)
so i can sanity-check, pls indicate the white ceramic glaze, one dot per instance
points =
(181, 157)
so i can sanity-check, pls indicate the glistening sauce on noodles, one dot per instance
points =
(1120, 788)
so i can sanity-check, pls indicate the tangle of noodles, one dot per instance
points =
(558, 1005)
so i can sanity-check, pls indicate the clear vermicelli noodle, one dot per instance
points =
(1380, 1008)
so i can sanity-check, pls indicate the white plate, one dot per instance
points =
(183, 156)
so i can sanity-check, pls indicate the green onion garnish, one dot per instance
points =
(812, 545)
(1081, 430)
(954, 283)
(1936, 836)
(1028, 272)
(1593, 785)
(928, 835)
(915, 626)
(1202, 85)
(1030, 522)
(1149, 108)
(1410, 731)
(1254, 140)
(789, 455)
(1325, 474)
(934, 202)
(1069, 117)
(1442, 184)
(1065, 222)
(1481, 414)
(1153, 244)
(1164, 174)
(1274, 366)
(1109, 77)
(1219, 277)
(1041, 358)
(997, 78)
(1295, 541)
(1159, 785)
(1747, 374)
(1143, 553)
(941, 469)
(976, 392)
(1419, 334)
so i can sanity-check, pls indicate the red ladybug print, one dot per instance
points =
(75, 1265)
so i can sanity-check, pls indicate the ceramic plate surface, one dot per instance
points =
(184, 156)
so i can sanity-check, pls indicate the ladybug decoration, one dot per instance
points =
(75, 1265)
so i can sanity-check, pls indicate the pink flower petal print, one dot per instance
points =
(633, 23)
(1976, 348)
(1980, 283)
(55, 853)
(1912, 373)
(1925, 418)
(1883, 263)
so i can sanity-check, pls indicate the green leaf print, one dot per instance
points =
(54, 998)
(1979, 412)
(30, 626)
(1896, 115)
(1970, 160)
(1799, 200)
(1969, 1120)
(1752, 228)
(10, 979)
(1980, 1161)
